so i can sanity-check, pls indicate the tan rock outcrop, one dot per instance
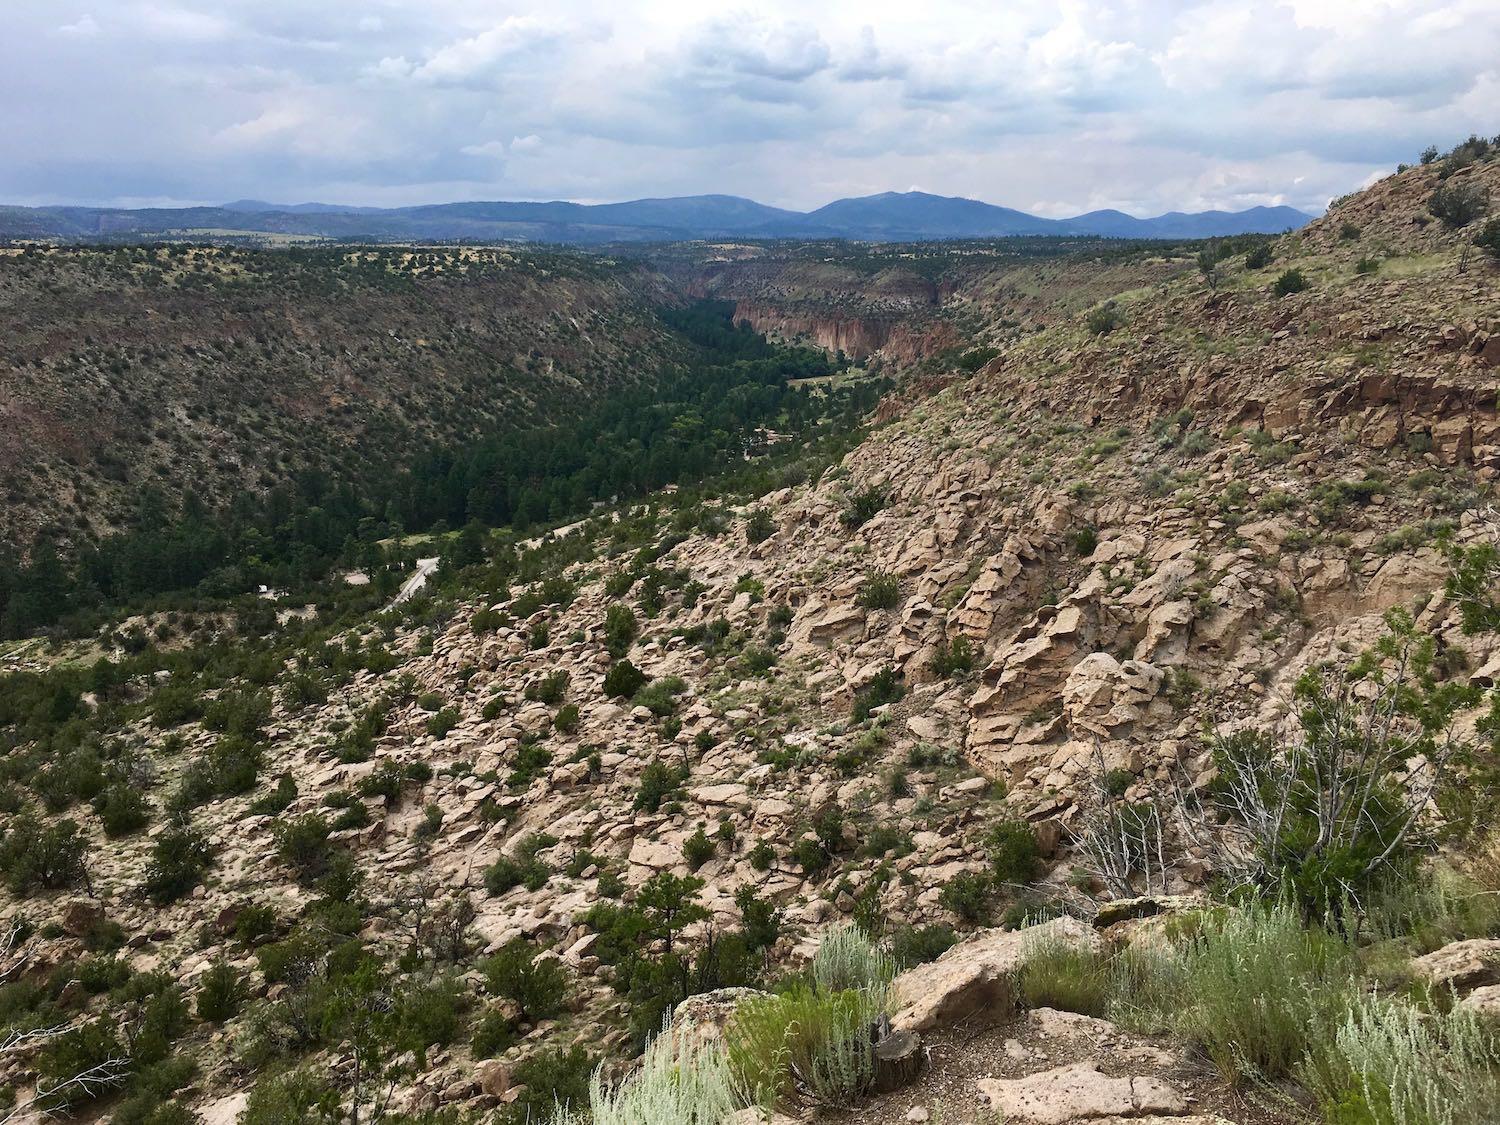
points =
(973, 979)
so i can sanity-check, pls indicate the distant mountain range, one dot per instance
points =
(889, 217)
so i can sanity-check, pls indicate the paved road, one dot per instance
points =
(424, 571)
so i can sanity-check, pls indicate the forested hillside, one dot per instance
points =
(703, 394)
(220, 373)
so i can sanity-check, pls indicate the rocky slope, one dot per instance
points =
(1136, 534)
(217, 371)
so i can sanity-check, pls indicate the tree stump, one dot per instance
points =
(898, 1060)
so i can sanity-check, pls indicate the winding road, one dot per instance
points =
(418, 579)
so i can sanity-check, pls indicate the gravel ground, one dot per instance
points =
(1043, 1040)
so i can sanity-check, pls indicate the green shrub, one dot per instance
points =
(100, 974)
(968, 895)
(550, 689)
(1289, 282)
(426, 1013)
(242, 714)
(828, 824)
(660, 696)
(912, 946)
(884, 687)
(228, 769)
(302, 844)
(758, 526)
(1085, 540)
(698, 849)
(1257, 986)
(863, 506)
(881, 590)
(757, 660)
(298, 1095)
(353, 815)
(486, 620)
(1259, 257)
(953, 658)
(611, 884)
(34, 856)
(816, 1041)
(678, 1082)
(538, 986)
(104, 936)
(175, 704)
(1013, 852)
(531, 758)
(1488, 239)
(444, 721)
(553, 1079)
(1458, 204)
(659, 782)
(1394, 1064)
(526, 867)
(276, 801)
(430, 824)
(1103, 320)
(254, 922)
(493, 1035)
(810, 855)
(122, 810)
(847, 958)
(220, 993)
(179, 859)
(623, 680)
(762, 855)
(883, 839)
(568, 718)
(620, 630)
(93, 1046)
(1058, 974)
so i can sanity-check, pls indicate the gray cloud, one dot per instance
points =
(1144, 105)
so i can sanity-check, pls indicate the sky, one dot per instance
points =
(1055, 108)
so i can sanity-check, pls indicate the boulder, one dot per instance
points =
(225, 1110)
(702, 1018)
(974, 978)
(1485, 1001)
(493, 1077)
(81, 915)
(1148, 906)
(1079, 1092)
(1461, 965)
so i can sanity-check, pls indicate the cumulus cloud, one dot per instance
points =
(1051, 105)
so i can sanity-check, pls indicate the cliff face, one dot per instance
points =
(881, 307)
(902, 340)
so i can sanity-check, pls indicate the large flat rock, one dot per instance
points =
(1079, 1092)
